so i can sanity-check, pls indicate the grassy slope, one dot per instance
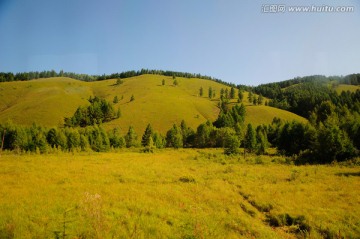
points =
(261, 114)
(351, 88)
(160, 105)
(48, 101)
(45, 101)
(136, 195)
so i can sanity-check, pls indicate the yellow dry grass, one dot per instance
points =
(172, 194)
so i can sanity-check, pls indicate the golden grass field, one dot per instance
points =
(47, 101)
(185, 193)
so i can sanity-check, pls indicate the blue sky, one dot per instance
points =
(228, 39)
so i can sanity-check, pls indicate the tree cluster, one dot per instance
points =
(40, 139)
(324, 143)
(97, 112)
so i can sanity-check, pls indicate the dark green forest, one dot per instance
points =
(302, 95)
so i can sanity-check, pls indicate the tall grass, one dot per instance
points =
(174, 194)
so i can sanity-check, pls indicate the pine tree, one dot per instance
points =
(188, 134)
(131, 138)
(118, 113)
(84, 143)
(73, 138)
(203, 135)
(232, 93)
(260, 99)
(226, 93)
(147, 136)
(150, 147)
(98, 138)
(250, 97)
(210, 92)
(176, 82)
(222, 92)
(262, 141)
(240, 96)
(201, 91)
(250, 138)
(116, 100)
(174, 137)
(116, 140)
(159, 140)
(232, 144)
(255, 101)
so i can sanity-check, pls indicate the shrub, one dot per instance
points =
(285, 219)
(187, 179)
(258, 160)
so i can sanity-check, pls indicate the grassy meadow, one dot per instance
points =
(185, 193)
(342, 87)
(47, 101)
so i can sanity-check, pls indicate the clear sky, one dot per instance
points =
(228, 39)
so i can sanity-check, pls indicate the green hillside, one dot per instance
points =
(44, 101)
(48, 101)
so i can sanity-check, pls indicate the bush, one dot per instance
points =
(187, 179)
(258, 160)
(232, 144)
(285, 219)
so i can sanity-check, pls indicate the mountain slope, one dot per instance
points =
(44, 101)
(48, 101)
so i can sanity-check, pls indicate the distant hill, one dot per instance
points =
(304, 95)
(47, 101)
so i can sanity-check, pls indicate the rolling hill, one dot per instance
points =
(47, 101)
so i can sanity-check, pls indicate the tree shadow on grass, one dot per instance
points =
(356, 174)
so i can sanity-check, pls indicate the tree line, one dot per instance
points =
(94, 137)
(327, 137)
(272, 90)
(25, 76)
